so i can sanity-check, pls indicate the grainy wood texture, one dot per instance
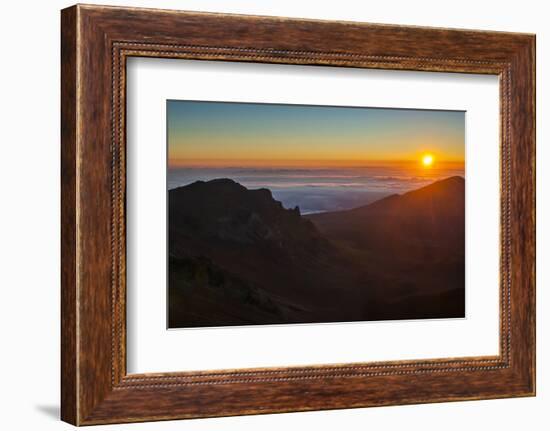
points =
(69, 397)
(96, 41)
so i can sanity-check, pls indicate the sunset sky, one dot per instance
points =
(250, 134)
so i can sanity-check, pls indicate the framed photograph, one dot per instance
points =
(264, 215)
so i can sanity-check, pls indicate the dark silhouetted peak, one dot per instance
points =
(432, 214)
(228, 211)
(447, 194)
(227, 181)
(218, 183)
(238, 257)
(449, 185)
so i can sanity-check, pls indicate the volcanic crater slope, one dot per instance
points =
(238, 257)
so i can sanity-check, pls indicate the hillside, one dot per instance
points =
(429, 221)
(414, 245)
(236, 256)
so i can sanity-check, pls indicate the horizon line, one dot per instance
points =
(295, 163)
(400, 193)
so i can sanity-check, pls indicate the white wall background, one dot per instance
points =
(29, 215)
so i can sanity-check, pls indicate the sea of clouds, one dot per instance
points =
(319, 189)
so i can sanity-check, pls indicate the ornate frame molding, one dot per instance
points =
(96, 41)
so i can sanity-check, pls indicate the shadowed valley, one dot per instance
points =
(238, 257)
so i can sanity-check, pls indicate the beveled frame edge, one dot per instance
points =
(124, 50)
(96, 41)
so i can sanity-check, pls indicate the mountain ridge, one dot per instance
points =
(237, 256)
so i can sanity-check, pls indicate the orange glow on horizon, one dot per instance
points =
(311, 163)
(222, 134)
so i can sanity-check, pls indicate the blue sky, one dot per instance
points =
(218, 133)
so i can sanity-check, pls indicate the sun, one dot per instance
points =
(427, 160)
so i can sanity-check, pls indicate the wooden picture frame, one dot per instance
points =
(95, 43)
